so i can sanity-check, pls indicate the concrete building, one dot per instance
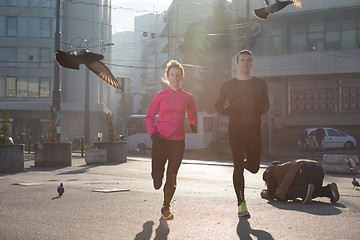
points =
(27, 41)
(311, 60)
(137, 60)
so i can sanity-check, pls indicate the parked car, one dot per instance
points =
(334, 138)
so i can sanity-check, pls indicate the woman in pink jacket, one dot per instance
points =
(168, 134)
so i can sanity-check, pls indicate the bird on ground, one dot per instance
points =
(355, 183)
(73, 59)
(60, 190)
(264, 12)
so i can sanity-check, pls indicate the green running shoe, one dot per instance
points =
(242, 210)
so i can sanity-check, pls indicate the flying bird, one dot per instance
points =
(352, 163)
(264, 12)
(355, 183)
(60, 190)
(73, 59)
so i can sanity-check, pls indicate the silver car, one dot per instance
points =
(334, 138)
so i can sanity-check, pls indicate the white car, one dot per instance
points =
(334, 138)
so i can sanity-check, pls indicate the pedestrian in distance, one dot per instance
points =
(248, 100)
(319, 136)
(295, 179)
(304, 139)
(168, 133)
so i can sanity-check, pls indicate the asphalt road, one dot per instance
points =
(204, 205)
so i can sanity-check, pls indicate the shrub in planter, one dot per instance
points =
(116, 150)
(11, 155)
(52, 153)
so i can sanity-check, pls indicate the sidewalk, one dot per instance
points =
(204, 206)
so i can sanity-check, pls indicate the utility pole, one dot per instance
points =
(56, 100)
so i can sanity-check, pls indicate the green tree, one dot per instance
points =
(210, 45)
(4, 130)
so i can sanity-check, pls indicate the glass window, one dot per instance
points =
(23, 3)
(332, 35)
(23, 27)
(35, 3)
(34, 28)
(2, 26)
(332, 133)
(11, 87)
(11, 27)
(348, 34)
(44, 57)
(271, 40)
(21, 87)
(45, 27)
(2, 86)
(44, 87)
(34, 57)
(8, 56)
(33, 83)
(45, 3)
(254, 40)
(316, 36)
(3, 2)
(12, 3)
(208, 124)
(298, 38)
(22, 56)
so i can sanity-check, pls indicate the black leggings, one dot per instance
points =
(245, 141)
(173, 151)
(309, 173)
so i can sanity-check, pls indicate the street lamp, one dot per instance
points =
(86, 42)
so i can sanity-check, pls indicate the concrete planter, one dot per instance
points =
(52, 154)
(337, 163)
(116, 151)
(12, 158)
(95, 156)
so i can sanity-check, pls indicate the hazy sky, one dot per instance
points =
(124, 11)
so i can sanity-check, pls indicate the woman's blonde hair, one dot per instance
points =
(169, 65)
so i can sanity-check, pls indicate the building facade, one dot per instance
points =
(27, 44)
(311, 60)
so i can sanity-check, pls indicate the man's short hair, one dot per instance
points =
(245, 51)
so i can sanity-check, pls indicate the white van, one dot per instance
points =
(139, 140)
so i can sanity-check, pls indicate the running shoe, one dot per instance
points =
(308, 198)
(242, 210)
(166, 214)
(335, 196)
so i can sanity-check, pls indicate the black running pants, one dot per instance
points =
(171, 151)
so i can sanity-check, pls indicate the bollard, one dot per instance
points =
(82, 146)
(42, 139)
(29, 144)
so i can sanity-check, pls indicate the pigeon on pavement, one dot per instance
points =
(60, 190)
(355, 183)
(264, 12)
(73, 59)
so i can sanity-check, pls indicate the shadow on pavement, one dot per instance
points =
(162, 231)
(244, 231)
(315, 208)
(145, 234)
